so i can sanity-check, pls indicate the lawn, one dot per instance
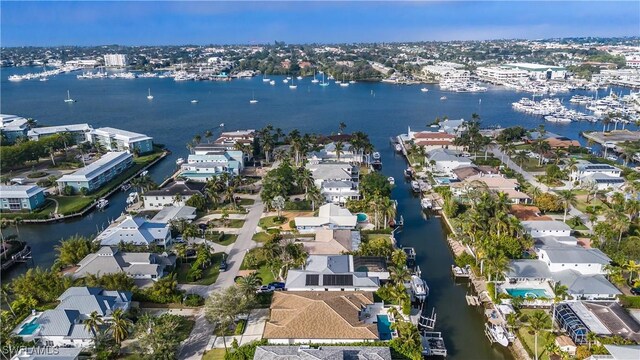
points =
(378, 236)
(72, 204)
(227, 239)
(270, 221)
(528, 341)
(245, 202)
(263, 271)
(214, 354)
(531, 164)
(261, 237)
(209, 275)
(229, 223)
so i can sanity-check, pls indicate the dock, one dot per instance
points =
(433, 344)
(473, 300)
(21, 256)
(461, 272)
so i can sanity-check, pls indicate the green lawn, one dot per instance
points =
(214, 354)
(229, 223)
(263, 271)
(270, 221)
(528, 341)
(378, 236)
(72, 204)
(261, 237)
(530, 165)
(228, 239)
(209, 275)
(245, 202)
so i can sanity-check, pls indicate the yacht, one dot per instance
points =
(221, 124)
(299, 78)
(443, 98)
(288, 77)
(391, 180)
(102, 203)
(285, 81)
(314, 81)
(424, 90)
(419, 288)
(497, 333)
(194, 101)
(398, 148)
(343, 83)
(69, 99)
(323, 83)
(180, 161)
(132, 198)
(352, 81)
(293, 86)
(426, 204)
(150, 97)
(265, 79)
(15, 78)
(272, 82)
(125, 187)
(375, 155)
(408, 172)
(253, 99)
(415, 186)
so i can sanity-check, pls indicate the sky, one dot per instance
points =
(53, 23)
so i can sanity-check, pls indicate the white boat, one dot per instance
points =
(415, 186)
(424, 90)
(323, 83)
(299, 78)
(180, 161)
(375, 156)
(314, 81)
(69, 99)
(44, 79)
(285, 81)
(391, 180)
(343, 83)
(288, 77)
(15, 78)
(194, 101)
(293, 86)
(352, 82)
(398, 148)
(497, 333)
(253, 99)
(272, 82)
(125, 187)
(419, 288)
(443, 98)
(132, 198)
(102, 203)
(144, 173)
(265, 79)
(426, 203)
(221, 124)
(150, 97)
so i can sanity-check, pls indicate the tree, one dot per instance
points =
(197, 201)
(278, 203)
(548, 202)
(223, 307)
(568, 199)
(119, 326)
(341, 127)
(339, 148)
(72, 250)
(314, 196)
(560, 293)
(537, 322)
(93, 322)
(249, 283)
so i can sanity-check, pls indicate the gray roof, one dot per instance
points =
(48, 354)
(106, 162)
(184, 188)
(322, 353)
(550, 225)
(528, 268)
(330, 263)
(447, 155)
(561, 253)
(297, 279)
(170, 213)
(601, 178)
(132, 230)
(624, 352)
(330, 171)
(338, 184)
(19, 191)
(579, 284)
(59, 322)
(110, 261)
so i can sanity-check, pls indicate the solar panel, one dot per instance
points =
(337, 280)
(312, 280)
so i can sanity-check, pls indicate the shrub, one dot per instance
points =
(84, 191)
(37, 174)
(465, 259)
(297, 205)
(68, 190)
(632, 302)
(193, 300)
(292, 224)
(549, 203)
(240, 327)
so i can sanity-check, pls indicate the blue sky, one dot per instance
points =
(199, 22)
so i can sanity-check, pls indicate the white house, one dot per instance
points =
(136, 231)
(603, 181)
(585, 169)
(98, 173)
(322, 172)
(546, 228)
(329, 154)
(207, 164)
(444, 161)
(330, 216)
(174, 194)
(336, 273)
(81, 132)
(339, 191)
(116, 139)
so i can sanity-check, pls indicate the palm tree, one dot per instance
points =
(339, 145)
(618, 222)
(591, 338)
(537, 322)
(560, 291)
(632, 208)
(341, 127)
(197, 139)
(521, 157)
(568, 198)
(632, 267)
(399, 274)
(249, 283)
(314, 196)
(93, 322)
(208, 135)
(119, 326)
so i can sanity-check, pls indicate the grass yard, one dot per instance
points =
(214, 354)
(528, 341)
(271, 221)
(261, 237)
(226, 240)
(245, 202)
(531, 164)
(378, 236)
(262, 271)
(229, 223)
(209, 275)
(72, 204)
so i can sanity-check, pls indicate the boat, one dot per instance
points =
(375, 155)
(44, 79)
(194, 101)
(314, 81)
(343, 83)
(102, 203)
(288, 77)
(408, 172)
(253, 99)
(125, 187)
(221, 124)
(419, 288)
(391, 180)
(426, 204)
(299, 78)
(323, 83)
(150, 97)
(424, 90)
(433, 344)
(180, 161)
(285, 81)
(415, 186)
(144, 173)
(272, 82)
(352, 81)
(443, 98)
(265, 79)
(69, 99)
(496, 333)
(293, 86)
(132, 198)
(398, 147)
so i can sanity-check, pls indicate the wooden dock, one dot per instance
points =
(473, 300)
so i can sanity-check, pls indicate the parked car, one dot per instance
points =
(635, 291)
(190, 252)
(223, 264)
(277, 285)
(265, 289)
(179, 239)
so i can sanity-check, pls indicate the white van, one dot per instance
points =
(18, 181)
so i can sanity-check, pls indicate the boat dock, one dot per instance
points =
(433, 344)
(21, 256)
(461, 272)
(473, 300)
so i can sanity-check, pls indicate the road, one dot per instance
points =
(194, 346)
(531, 179)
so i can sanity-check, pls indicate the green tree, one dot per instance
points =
(119, 326)
(223, 307)
(93, 322)
(537, 322)
(568, 198)
(72, 250)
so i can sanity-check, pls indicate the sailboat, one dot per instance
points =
(315, 81)
(69, 99)
(323, 83)
(253, 99)
(150, 97)
(293, 86)
(264, 78)
(343, 83)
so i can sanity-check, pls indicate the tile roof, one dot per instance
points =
(322, 353)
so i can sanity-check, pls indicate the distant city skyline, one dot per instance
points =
(179, 23)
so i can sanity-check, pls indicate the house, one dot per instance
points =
(136, 231)
(604, 318)
(21, 197)
(338, 273)
(444, 161)
(462, 173)
(546, 228)
(121, 140)
(80, 132)
(205, 165)
(47, 353)
(339, 191)
(618, 352)
(98, 173)
(563, 252)
(328, 242)
(330, 216)
(454, 127)
(63, 326)
(137, 265)
(322, 172)
(174, 213)
(585, 169)
(499, 184)
(175, 193)
(230, 138)
(603, 181)
(304, 352)
(329, 153)
(13, 127)
(430, 140)
(323, 317)
(566, 344)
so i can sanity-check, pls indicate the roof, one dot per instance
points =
(319, 315)
(596, 167)
(571, 254)
(136, 230)
(447, 155)
(106, 162)
(119, 134)
(427, 135)
(494, 182)
(12, 122)
(19, 191)
(48, 130)
(300, 279)
(545, 226)
(534, 67)
(330, 171)
(615, 318)
(328, 214)
(328, 242)
(579, 284)
(624, 352)
(322, 353)
(528, 268)
(600, 178)
(170, 213)
(238, 133)
(45, 353)
(184, 188)
(58, 322)
(528, 213)
(110, 261)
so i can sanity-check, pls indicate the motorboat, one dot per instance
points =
(272, 82)
(144, 173)
(150, 97)
(293, 86)
(398, 148)
(194, 101)
(415, 186)
(424, 90)
(352, 82)
(299, 78)
(375, 155)
(102, 203)
(253, 101)
(408, 172)
(443, 98)
(125, 187)
(285, 81)
(497, 333)
(44, 79)
(391, 180)
(426, 204)
(221, 124)
(132, 198)
(180, 161)
(419, 288)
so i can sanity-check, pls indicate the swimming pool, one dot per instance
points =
(29, 328)
(442, 180)
(384, 327)
(361, 217)
(524, 293)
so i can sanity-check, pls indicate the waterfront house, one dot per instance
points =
(338, 273)
(80, 132)
(141, 266)
(453, 127)
(175, 193)
(228, 139)
(603, 318)
(583, 170)
(328, 242)
(339, 191)
(329, 154)
(136, 231)
(330, 216)
(465, 172)
(322, 172)
(319, 317)
(546, 228)
(304, 352)
(207, 164)
(175, 213)
(430, 140)
(13, 127)
(120, 140)
(21, 197)
(64, 325)
(444, 161)
(98, 173)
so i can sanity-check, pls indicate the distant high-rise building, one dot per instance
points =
(115, 60)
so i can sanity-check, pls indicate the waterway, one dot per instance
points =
(381, 110)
